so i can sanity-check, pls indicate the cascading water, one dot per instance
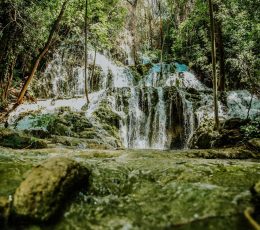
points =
(159, 125)
(159, 110)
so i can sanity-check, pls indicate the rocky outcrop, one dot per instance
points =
(72, 128)
(18, 140)
(41, 194)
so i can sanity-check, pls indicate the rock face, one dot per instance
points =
(41, 194)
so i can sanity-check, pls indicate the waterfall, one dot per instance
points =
(159, 110)
(159, 126)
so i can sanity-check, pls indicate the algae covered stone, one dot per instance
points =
(40, 195)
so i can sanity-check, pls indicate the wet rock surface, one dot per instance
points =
(47, 186)
(152, 189)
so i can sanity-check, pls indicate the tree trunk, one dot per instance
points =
(250, 106)
(221, 52)
(213, 53)
(132, 26)
(9, 80)
(93, 67)
(161, 38)
(86, 51)
(150, 31)
(9, 48)
(54, 29)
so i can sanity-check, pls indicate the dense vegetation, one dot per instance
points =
(162, 30)
(26, 25)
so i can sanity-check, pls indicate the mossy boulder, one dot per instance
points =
(47, 186)
(109, 122)
(254, 144)
(106, 116)
(68, 123)
(203, 136)
(17, 140)
(228, 135)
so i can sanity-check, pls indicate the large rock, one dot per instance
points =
(42, 193)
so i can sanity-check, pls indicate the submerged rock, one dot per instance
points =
(17, 140)
(40, 195)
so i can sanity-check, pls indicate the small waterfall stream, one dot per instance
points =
(157, 111)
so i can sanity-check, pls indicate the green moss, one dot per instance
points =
(88, 134)
(13, 139)
(106, 115)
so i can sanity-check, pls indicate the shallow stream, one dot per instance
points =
(145, 189)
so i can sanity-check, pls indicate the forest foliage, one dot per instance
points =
(163, 30)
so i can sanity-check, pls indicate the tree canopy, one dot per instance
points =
(178, 29)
